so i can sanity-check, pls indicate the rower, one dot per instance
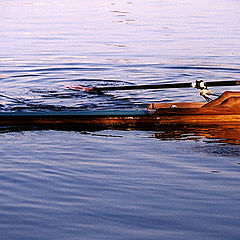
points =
(227, 99)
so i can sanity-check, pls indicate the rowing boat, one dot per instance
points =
(157, 115)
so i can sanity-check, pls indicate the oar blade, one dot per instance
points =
(78, 88)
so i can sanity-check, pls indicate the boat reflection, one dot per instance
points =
(214, 134)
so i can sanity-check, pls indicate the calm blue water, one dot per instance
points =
(168, 184)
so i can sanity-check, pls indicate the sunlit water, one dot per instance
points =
(168, 184)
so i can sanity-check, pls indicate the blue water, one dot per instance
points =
(111, 184)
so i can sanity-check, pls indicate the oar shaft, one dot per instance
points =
(147, 86)
(165, 85)
(222, 83)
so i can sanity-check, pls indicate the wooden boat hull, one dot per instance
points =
(161, 115)
(81, 119)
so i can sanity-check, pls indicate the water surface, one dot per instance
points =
(114, 184)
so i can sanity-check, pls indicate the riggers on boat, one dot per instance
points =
(157, 115)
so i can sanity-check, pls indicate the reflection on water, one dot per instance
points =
(214, 134)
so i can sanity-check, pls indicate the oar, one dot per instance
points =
(199, 84)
